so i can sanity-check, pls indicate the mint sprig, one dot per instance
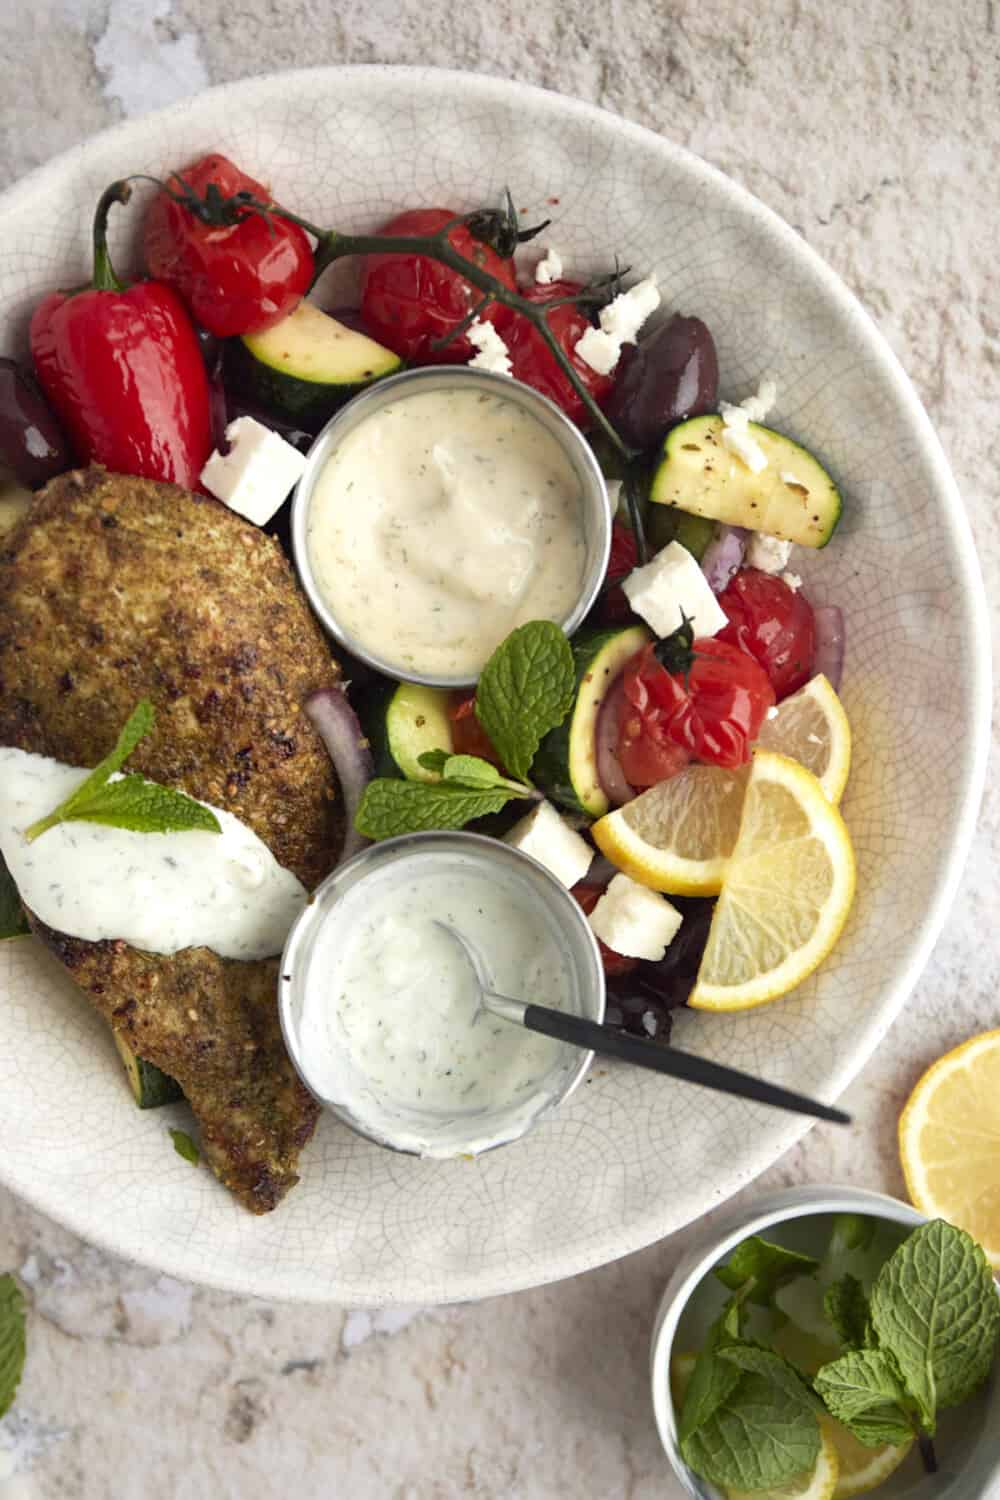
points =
(863, 1390)
(846, 1308)
(13, 923)
(128, 801)
(12, 1343)
(765, 1265)
(472, 772)
(760, 1437)
(526, 689)
(391, 807)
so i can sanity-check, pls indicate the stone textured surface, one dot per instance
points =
(870, 131)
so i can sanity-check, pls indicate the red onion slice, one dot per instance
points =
(609, 772)
(724, 556)
(339, 727)
(830, 642)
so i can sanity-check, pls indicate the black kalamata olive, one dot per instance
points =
(671, 375)
(31, 441)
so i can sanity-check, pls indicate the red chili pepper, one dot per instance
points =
(122, 367)
(238, 269)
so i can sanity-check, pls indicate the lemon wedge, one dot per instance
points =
(786, 893)
(812, 727)
(678, 836)
(949, 1141)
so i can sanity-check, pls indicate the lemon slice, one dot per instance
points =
(678, 836)
(820, 1484)
(949, 1141)
(813, 729)
(787, 890)
(860, 1469)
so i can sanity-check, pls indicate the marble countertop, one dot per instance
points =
(866, 127)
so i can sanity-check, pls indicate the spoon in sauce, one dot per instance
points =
(595, 1037)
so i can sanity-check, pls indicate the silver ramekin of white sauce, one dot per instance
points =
(379, 1009)
(441, 509)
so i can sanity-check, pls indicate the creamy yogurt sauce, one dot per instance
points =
(158, 891)
(390, 1026)
(440, 523)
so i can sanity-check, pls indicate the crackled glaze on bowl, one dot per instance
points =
(630, 1158)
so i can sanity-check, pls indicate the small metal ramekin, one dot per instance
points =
(593, 488)
(967, 1449)
(581, 950)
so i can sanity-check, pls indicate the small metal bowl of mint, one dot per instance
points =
(826, 1298)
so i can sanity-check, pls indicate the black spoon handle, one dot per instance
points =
(687, 1065)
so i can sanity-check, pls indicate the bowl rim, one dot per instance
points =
(646, 1226)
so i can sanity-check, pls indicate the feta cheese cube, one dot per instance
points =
(599, 350)
(548, 838)
(768, 553)
(255, 476)
(549, 268)
(625, 315)
(632, 919)
(671, 582)
(493, 353)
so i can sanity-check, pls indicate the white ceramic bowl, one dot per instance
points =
(967, 1443)
(630, 1157)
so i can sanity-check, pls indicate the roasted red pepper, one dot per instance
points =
(122, 367)
(239, 270)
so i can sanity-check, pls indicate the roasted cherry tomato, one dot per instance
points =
(588, 896)
(775, 624)
(614, 607)
(468, 737)
(689, 699)
(239, 271)
(533, 361)
(409, 302)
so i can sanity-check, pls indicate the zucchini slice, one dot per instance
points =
(793, 498)
(566, 764)
(150, 1087)
(407, 720)
(308, 364)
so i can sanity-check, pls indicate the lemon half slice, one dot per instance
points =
(678, 836)
(812, 727)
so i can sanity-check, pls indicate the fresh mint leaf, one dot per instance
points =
(144, 807)
(712, 1380)
(12, 1344)
(766, 1264)
(140, 721)
(13, 923)
(526, 689)
(753, 1359)
(758, 1438)
(433, 760)
(850, 1232)
(935, 1309)
(470, 771)
(846, 1307)
(389, 807)
(185, 1146)
(863, 1390)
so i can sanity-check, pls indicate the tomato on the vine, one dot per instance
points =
(533, 361)
(238, 270)
(688, 699)
(774, 623)
(587, 896)
(410, 302)
(468, 737)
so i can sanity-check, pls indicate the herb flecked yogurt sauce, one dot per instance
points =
(390, 1028)
(440, 523)
(158, 891)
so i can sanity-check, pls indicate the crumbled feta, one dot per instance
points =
(620, 321)
(549, 268)
(745, 448)
(614, 489)
(493, 353)
(793, 580)
(758, 406)
(598, 350)
(670, 583)
(772, 713)
(255, 476)
(768, 553)
(546, 837)
(633, 920)
(736, 436)
(791, 479)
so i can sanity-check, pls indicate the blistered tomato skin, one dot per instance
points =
(410, 302)
(668, 376)
(774, 624)
(533, 361)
